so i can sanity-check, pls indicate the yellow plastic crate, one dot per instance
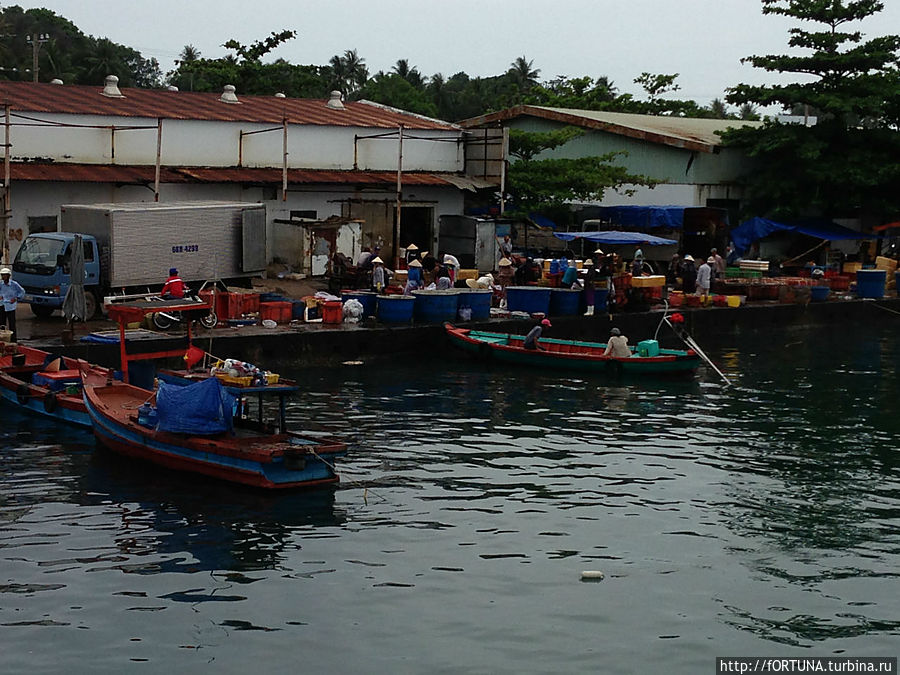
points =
(236, 381)
(648, 282)
(272, 378)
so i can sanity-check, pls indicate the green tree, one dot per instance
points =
(548, 186)
(846, 163)
(394, 90)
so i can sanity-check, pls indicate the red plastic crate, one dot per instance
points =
(279, 312)
(249, 303)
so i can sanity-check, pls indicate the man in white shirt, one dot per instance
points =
(704, 276)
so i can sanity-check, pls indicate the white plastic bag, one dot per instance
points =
(465, 313)
(353, 311)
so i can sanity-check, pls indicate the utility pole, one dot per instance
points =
(36, 42)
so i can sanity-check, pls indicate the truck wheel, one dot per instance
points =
(42, 312)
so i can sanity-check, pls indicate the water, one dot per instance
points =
(756, 520)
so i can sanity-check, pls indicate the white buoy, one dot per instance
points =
(592, 575)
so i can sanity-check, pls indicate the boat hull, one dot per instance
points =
(571, 355)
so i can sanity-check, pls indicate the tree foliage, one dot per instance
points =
(67, 53)
(845, 164)
(549, 185)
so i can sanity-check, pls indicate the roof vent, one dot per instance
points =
(335, 101)
(228, 95)
(111, 87)
(56, 80)
(171, 87)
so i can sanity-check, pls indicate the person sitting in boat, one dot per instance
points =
(174, 286)
(531, 340)
(617, 347)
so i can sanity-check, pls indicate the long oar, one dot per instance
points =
(690, 342)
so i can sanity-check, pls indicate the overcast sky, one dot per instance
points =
(702, 40)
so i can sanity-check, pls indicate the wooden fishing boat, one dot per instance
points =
(26, 382)
(585, 357)
(251, 452)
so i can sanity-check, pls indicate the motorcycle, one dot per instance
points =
(165, 320)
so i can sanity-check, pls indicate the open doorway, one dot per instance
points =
(416, 226)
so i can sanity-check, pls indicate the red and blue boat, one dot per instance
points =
(43, 384)
(585, 357)
(195, 424)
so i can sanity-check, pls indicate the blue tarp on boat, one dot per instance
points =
(757, 228)
(201, 408)
(616, 237)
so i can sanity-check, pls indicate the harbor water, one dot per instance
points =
(759, 519)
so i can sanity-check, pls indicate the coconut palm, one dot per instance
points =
(523, 73)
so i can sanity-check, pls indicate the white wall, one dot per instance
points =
(212, 143)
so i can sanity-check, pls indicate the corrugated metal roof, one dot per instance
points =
(143, 175)
(152, 103)
(690, 133)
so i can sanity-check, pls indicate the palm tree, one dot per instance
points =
(189, 54)
(748, 112)
(718, 109)
(348, 72)
(411, 75)
(522, 72)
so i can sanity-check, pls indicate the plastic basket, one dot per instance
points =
(237, 381)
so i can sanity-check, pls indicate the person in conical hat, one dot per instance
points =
(412, 253)
(379, 276)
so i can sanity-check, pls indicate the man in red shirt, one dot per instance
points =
(174, 286)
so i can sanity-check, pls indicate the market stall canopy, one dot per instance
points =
(756, 228)
(616, 237)
(642, 218)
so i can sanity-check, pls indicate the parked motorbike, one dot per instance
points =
(165, 320)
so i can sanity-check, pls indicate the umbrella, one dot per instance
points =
(74, 304)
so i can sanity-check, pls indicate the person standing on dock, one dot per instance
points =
(719, 264)
(10, 294)
(379, 277)
(704, 277)
(688, 275)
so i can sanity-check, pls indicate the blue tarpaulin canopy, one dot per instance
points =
(616, 237)
(642, 217)
(757, 228)
(200, 408)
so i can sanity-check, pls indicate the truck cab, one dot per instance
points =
(42, 268)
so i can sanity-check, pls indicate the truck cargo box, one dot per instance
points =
(139, 242)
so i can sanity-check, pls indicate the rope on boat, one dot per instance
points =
(362, 484)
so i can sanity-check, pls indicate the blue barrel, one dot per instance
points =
(819, 293)
(870, 283)
(366, 298)
(564, 301)
(395, 308)
(297, 307)
(435, 306)
(531, 299)
(601, 297)
(478, 300)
